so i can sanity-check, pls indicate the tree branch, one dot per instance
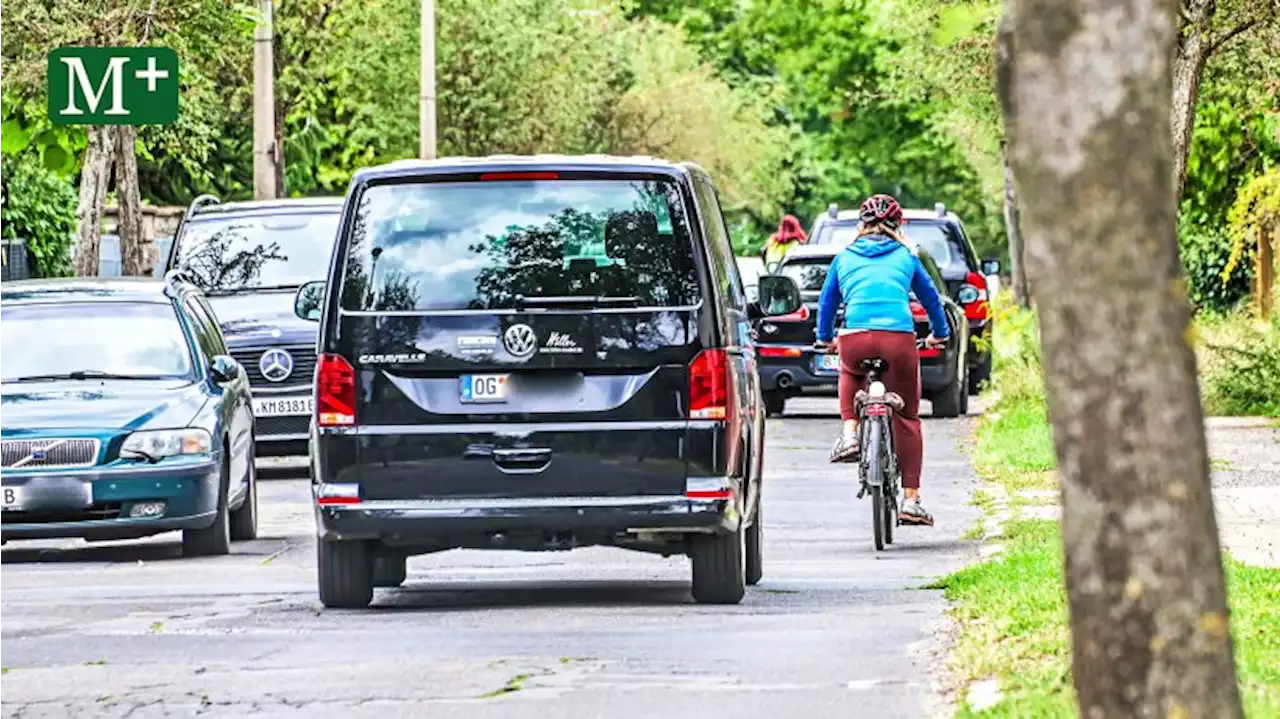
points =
(1227, 37)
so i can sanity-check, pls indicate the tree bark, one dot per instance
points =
(278, 157)
(135, 258)
(94, 178)
(1086, 98)
(1013, 232)
(1188, 67)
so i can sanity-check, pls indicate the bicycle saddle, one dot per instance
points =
(874, 364)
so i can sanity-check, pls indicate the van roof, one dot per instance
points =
(292, 204)
(501, 163)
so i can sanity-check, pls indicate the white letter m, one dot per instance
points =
(76, 72)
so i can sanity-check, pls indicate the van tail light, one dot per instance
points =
(335, 391)
(776, 351)
(510, 176)
(709, 385)
(800, 315)
(973, 295)
(917, 311)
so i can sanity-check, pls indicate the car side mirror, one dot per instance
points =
(224, 369)
(991, 267)
(306, 304)
(777, 295)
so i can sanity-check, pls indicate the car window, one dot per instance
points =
(724, 264)
(123, 338)
(809, 274)
(229, 254)
(932, 236)
(202, 324)
(480, 245)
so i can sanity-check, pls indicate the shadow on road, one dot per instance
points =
(414, 596)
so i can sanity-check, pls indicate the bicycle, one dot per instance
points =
(878, 470)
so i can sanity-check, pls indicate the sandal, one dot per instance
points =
(912, 512)
(845, 450)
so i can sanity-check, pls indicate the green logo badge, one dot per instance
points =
(113, 86)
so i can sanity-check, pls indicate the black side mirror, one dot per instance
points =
(991, 267)
(777, 295)
(306, 304)
(224, 369)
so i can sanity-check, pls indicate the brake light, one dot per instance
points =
(800, 315)
(973, 295)
(499, 176)
(929, 351)
(774, 351)
(335, 391)
(917, 311)
(709, 385)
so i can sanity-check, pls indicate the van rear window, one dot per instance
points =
(481, 245)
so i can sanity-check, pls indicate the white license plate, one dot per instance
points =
(283, 406)
(484, 388)
(829, 363)
(13, 498)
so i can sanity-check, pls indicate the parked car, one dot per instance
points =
(250, 258)
(789, 366)
(964, 276)
(123, 416)
(539, 354)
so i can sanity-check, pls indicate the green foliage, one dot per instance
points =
(42, 212)
(1254, 217)
(1014, 433)
(1239, 362)
(1206, 254)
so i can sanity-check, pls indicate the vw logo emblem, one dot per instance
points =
(276, 365)
(519, 340)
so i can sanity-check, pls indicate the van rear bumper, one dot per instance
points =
(407, 520)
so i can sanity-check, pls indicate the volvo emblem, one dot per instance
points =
(276, 365)
(519, 340)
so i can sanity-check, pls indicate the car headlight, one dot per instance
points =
(156, 444)
(967, 294)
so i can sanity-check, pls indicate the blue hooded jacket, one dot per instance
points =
(873, 277)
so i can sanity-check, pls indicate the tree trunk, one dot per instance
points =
(1188, 68)
(1086, 98)
(135, 259)
(1017, 275)
(1268, 234)
(94, 178)
(279, 151)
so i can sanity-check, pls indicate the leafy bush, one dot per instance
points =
(1206, 252)
(39, 206)
(1239, 364)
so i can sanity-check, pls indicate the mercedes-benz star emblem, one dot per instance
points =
(519, 340)
(276, 365)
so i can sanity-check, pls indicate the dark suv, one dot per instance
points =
(789, 366)
(250, 258)
(539, 354)
(965, 276)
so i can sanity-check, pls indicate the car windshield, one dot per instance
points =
(809, 274)
(233, 254)
(931, 236)
(498, 244)
(82, 340)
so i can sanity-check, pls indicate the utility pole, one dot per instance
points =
(264, 104)
(427, 95)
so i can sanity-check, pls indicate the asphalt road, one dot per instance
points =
(834, 630)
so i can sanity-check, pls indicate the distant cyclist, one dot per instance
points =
(873, 277)
(789, 234)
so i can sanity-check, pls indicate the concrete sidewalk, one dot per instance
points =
(1245, 454)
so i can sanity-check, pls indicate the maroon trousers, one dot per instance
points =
(903, 377)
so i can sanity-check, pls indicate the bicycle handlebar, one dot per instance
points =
(822, 348)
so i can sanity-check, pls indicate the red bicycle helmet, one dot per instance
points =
(882, 210)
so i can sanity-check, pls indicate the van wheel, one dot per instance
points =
(774, 403)
(346, 574)
(214, 539)
(980, 374)
(389, 570)
(244, 521)
(947, 403)
(718, 573)
(755, 550)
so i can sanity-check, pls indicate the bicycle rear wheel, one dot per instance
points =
(874, 456)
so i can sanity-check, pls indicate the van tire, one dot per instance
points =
(345, 574)
(948, 402)
(389, 570)
(214, 539)
(980, 374)
(775, 402)
(755, 550)
(718, 571)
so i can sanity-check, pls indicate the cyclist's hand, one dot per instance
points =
(820, 346)
(933, 342)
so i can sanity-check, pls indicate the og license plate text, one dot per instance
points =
(484, 388)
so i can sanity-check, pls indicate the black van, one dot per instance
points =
(536, 353)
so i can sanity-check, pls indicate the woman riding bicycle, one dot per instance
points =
(873, 277)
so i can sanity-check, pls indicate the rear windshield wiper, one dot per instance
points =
(588, 301)
(80, 374)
